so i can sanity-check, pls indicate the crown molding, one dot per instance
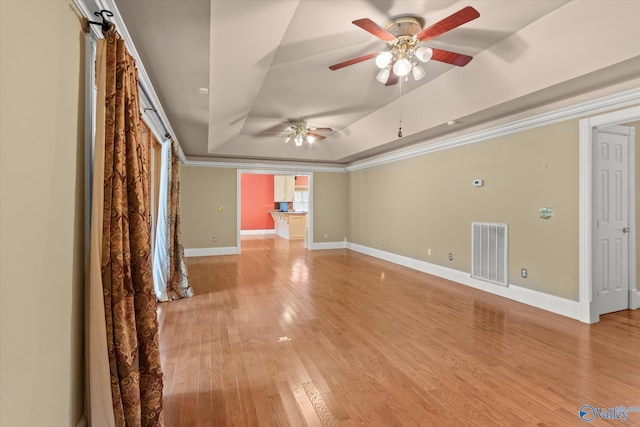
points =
(619, 100)
(603, 104)
(263, 165)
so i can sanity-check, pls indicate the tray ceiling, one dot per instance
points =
(266, 62)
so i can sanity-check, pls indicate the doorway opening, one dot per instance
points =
(275, 202)
(591, 244)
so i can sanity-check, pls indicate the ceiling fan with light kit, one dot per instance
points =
(299, 132)
(403, 36)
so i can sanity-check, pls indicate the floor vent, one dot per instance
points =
(489, 246)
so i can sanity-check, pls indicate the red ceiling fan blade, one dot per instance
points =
(353, 61)
(375, 29)
(449, 23)
(452, 58)
(316, 135)
(393, 79)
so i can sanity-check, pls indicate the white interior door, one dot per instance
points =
(611, 232)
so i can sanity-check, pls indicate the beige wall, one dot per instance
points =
(41, 213)
(330, 202)
(203, 191)
(428, 202)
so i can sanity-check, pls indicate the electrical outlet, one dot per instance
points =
(450, 256)
(215, 239)
(524, 273)
(429, 251)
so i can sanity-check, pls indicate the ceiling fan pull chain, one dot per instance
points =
(400, 100)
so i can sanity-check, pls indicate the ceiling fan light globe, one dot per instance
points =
(424, 53)
(418, 72)
(383, 75)
(383, 59)
(298, 140)
(402, 67)
(310, 139)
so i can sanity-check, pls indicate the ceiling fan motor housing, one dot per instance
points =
(405, 25)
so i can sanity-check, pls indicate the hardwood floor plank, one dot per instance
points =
(292, 410)
(376, 344)
(319, 404)
(278, 411)
(334, 405)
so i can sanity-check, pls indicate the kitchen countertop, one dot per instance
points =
(290, 212)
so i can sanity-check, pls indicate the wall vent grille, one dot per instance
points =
(490, 249)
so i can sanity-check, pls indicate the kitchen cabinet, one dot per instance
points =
(290, 225)
(297, 226)
(283, 188)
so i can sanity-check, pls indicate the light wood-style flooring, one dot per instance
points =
(281, 336)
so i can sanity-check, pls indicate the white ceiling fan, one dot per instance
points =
(299, 132)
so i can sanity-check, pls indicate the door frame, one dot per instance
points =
(282, 171)
(588, 310)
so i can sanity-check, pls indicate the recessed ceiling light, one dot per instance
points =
(203, 91)
(451, 122)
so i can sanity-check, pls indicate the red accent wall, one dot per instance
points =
(257, 200)
(302, 180)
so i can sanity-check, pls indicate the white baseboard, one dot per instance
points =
(328, 245)
(257, 232)
(552, 303)
(230, 250)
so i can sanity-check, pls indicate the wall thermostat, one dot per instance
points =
(478, 182)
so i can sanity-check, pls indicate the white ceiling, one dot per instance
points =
(266, 61)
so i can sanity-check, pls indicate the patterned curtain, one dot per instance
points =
(178, 276)
(130, 304)
(170, 274)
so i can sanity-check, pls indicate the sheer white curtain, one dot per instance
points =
(169, 267)
(160, 253)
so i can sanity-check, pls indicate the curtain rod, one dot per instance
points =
(105, 24)
(144, 82)
(167, 135)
